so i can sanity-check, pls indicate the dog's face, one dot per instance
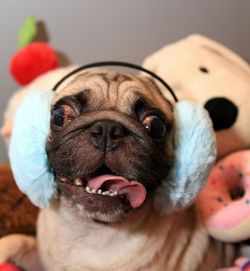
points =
(110, 144)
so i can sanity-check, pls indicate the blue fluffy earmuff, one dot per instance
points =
(195, 152)
(27, 153)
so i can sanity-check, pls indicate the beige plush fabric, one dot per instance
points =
(227, 76)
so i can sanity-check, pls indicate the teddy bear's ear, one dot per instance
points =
(217, 48)
(195, 153)
(27, 148)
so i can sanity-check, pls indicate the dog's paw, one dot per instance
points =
(7, 244)
(20, 250)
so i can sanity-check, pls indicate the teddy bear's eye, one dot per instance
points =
(203, 69)
(156, 126)
(63, 115)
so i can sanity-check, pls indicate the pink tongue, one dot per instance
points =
(135, 191)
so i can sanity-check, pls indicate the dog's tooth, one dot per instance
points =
(99, 191)
(63, 179)
(93, 191)
(78, 181)
(105, 193)
(114, 193)
(88, 189)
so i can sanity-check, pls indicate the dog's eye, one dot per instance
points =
(156, 126)
(63, 115)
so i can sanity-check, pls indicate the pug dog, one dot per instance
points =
(110, 147)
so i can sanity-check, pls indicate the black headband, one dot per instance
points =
(117, 63)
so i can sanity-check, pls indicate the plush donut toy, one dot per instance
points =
(241, 264)
(224, 204)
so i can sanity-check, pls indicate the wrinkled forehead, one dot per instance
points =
(114, 89)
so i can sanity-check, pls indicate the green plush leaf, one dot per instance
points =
(27, 32)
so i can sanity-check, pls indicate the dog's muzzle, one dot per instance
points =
(107, 135)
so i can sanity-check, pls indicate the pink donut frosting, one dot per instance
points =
(224, 203)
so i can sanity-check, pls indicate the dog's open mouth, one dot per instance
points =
(107, 184)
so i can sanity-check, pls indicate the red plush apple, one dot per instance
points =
(9, 267)
(32, 61)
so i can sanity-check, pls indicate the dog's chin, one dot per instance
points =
(99, 207)
(103, 197)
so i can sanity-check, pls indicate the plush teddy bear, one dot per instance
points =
(17, 214)
(206, 72)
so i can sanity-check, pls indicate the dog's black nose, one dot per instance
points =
(222, 111)
(106, 135)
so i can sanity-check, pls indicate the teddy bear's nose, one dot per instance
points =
(222, 111)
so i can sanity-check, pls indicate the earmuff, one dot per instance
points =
(195, 150)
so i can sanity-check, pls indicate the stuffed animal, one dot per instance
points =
(33, 58)
(206, 72)
(44, 83)
(17, 214)
(241, 264)
(224, 203)
(34, 65)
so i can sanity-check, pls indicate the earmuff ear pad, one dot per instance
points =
(195, 154)
(27, 148)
